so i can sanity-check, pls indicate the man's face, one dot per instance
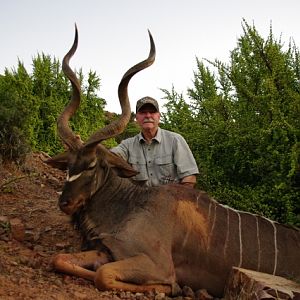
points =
(148, 117)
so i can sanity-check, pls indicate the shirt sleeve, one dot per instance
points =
(121, 150)
(184, 159)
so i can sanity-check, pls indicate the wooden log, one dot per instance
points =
(248, 285)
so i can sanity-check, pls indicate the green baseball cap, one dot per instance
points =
(146, 100)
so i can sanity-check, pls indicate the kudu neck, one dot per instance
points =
(114, 184)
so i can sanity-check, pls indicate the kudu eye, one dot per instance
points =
(91, 166)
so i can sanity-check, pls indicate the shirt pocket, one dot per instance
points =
(139, 164)
(166, 167)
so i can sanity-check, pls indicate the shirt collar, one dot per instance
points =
(157, 138)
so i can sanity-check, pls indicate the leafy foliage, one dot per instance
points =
(16, 113)
(244, 126)
(31, 103)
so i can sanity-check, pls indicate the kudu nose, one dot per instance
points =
(62, 202)
(62, 205)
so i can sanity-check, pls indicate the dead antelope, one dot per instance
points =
(139, 238)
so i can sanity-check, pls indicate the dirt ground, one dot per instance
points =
(32, 230)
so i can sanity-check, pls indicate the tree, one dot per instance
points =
(246, 126)
(31, 103)
(17, 111)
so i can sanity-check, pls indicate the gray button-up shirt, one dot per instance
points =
(167, 159)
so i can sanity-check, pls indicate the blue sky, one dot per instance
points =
(113, 36)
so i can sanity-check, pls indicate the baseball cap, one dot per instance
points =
(146, 100)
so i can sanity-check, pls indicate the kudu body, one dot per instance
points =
(138, 238)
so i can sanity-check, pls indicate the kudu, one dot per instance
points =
(140, 238)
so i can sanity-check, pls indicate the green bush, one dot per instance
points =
(31, 103)
(242, 124)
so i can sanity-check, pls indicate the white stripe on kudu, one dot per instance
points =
(258, 244)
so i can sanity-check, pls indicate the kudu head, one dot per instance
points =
(87, 164)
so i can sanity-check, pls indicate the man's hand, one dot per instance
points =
(189, 181)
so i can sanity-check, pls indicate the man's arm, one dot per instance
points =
(185, 162)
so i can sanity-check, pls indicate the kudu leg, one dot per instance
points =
(135, 274)
(82, 264)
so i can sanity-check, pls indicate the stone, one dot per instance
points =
(247, 285)
(203, 295)
(4, 219)
(17, 229)
(188, 292)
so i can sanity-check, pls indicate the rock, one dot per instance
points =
(187, 292)
(246, 284)
(17, 229)
(203, 295)
(48, 228)
(31, 235)
(62, 245)
(4, 219)
(160, 296)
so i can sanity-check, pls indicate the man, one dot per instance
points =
(160, 156)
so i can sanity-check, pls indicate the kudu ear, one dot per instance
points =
(59, 161)
(117, 163)
(120, 166)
